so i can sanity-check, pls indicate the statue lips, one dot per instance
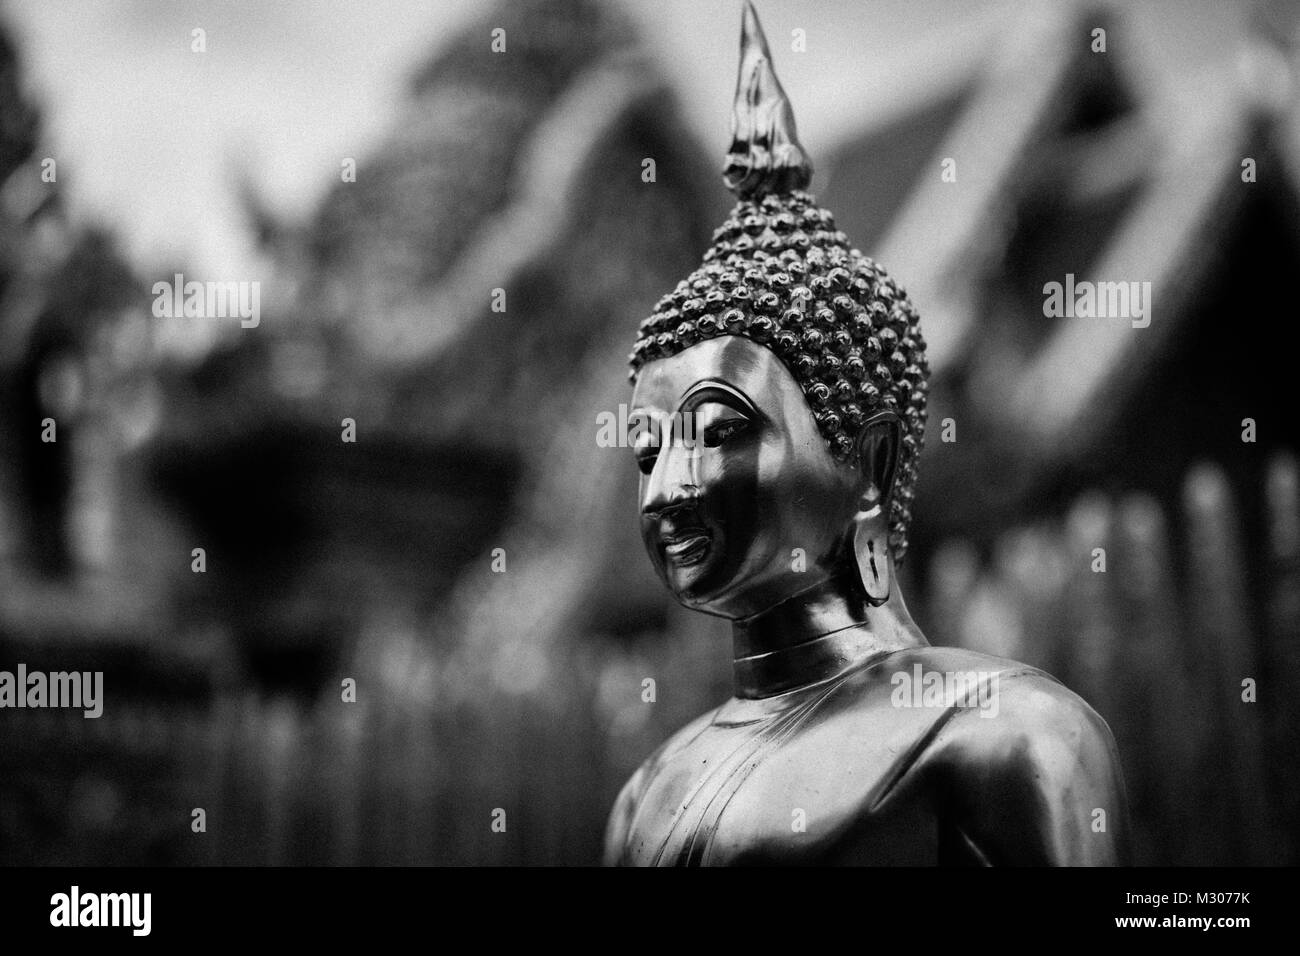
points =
(686, 548)
(683, 538)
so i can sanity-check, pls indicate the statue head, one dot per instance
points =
(801, 368)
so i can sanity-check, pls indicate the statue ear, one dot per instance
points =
(877, 453)
(877, 449)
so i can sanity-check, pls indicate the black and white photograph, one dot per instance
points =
(569, 434)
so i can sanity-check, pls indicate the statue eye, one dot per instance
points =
(646, 458)
(719, 432)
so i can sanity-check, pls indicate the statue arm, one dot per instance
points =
(1038, 784)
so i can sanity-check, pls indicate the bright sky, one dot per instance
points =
(154, 139)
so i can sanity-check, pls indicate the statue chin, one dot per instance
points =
(793, 372)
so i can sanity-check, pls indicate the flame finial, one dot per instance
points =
(765, 155)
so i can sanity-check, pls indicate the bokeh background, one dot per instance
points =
(476, 430)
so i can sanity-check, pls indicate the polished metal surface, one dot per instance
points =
(849, 739)
(816, 760)
(765, 153)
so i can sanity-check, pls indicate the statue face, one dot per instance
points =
(728, 498)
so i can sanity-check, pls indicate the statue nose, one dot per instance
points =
(673, 480)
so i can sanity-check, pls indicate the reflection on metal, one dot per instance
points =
(830, 751)
(765, 155)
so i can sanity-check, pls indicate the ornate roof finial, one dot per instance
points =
(765, 155)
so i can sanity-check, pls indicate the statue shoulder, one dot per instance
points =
(928, 685)
(1031, 774)
(1024, 771)
(1027, 712)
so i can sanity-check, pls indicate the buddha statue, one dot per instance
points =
(785, 509)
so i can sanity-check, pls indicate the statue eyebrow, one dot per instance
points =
(729, 395)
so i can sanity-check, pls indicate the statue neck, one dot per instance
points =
(817, 635)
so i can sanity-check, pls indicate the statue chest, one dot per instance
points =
(801, 787)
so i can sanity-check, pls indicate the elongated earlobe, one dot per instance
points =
(871, 546)
(877, 456)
